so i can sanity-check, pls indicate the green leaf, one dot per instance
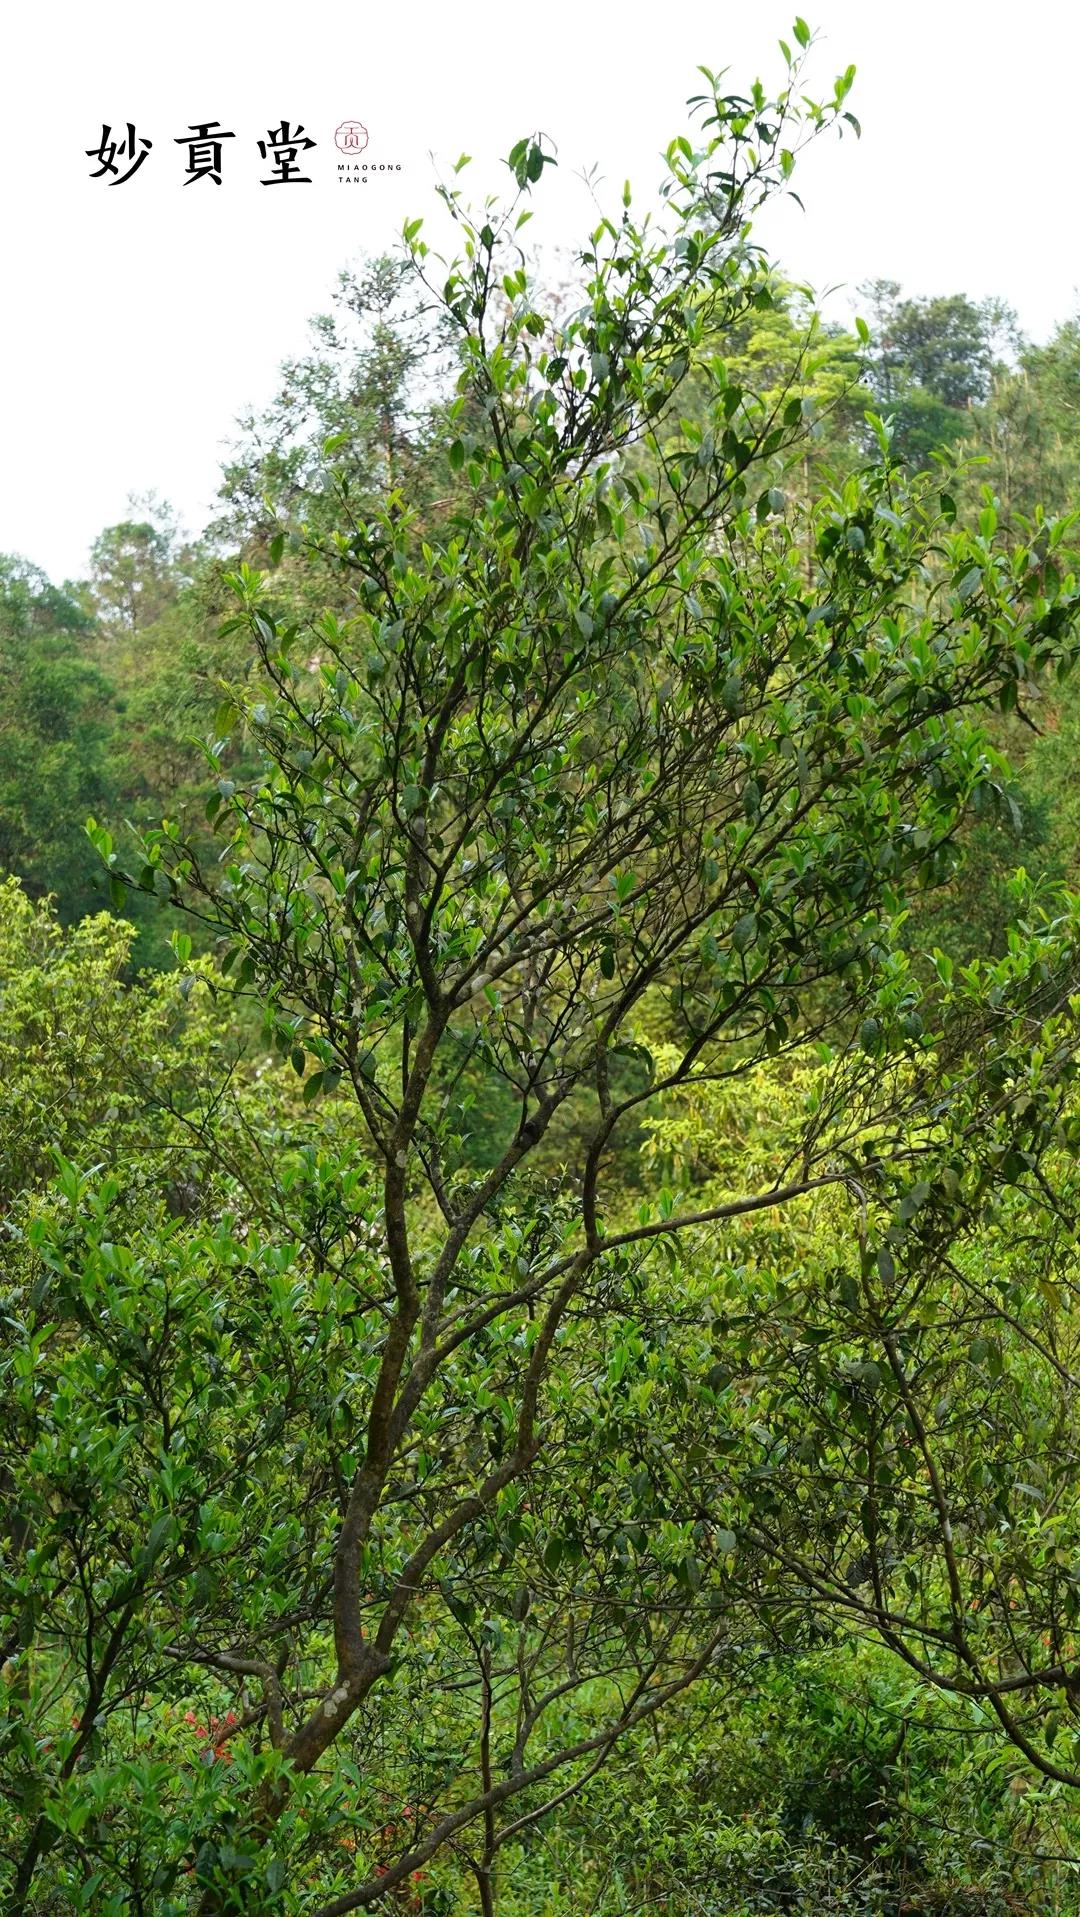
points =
(744, 932)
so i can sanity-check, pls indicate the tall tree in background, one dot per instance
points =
(931, 361)
(1029, 429)
(376, 372)
(133, 572)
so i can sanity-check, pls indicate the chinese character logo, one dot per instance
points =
(351, 137)
(281, 147)
(204, 151)
(110, 150)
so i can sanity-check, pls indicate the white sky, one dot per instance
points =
(138, 320)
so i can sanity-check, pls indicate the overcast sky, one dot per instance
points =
(138, 320)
